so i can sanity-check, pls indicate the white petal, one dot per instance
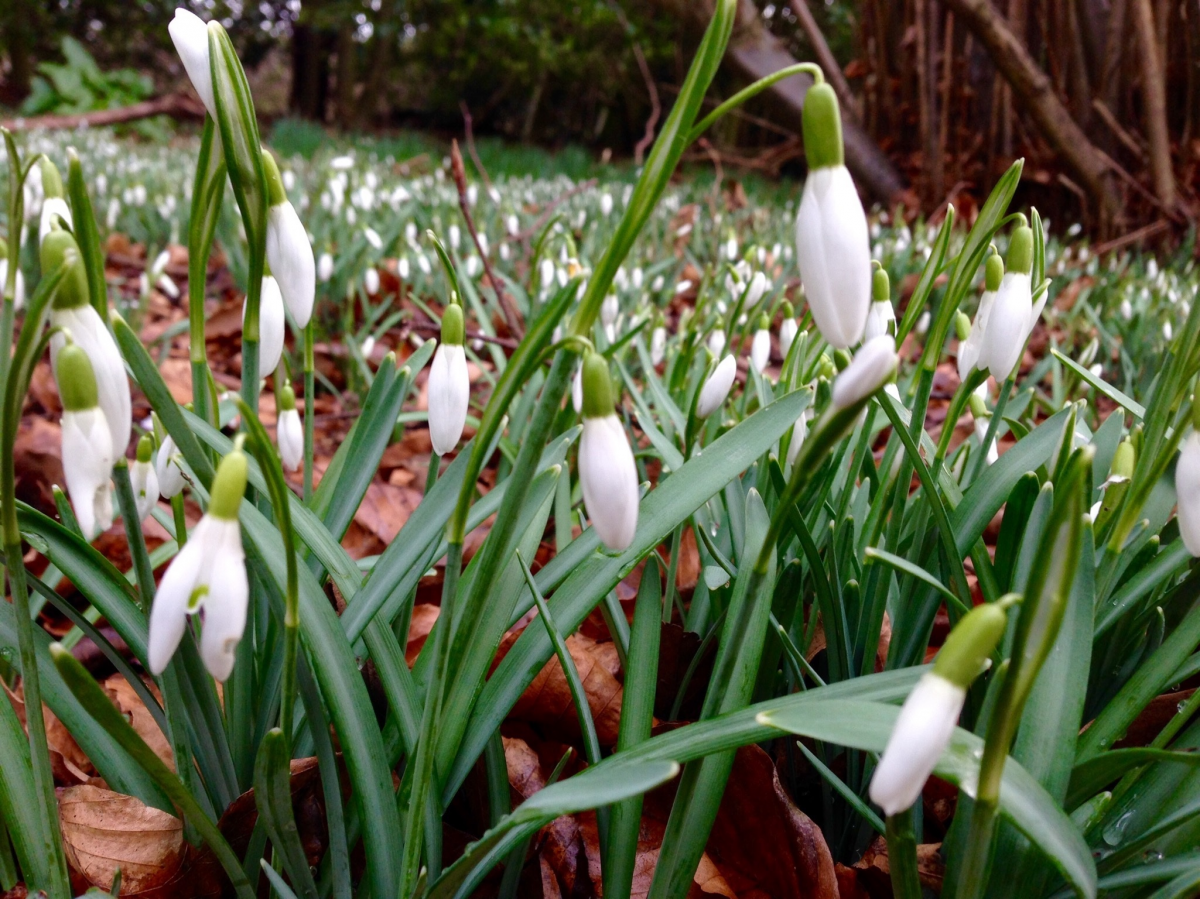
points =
(922, 732)
(658, 345)
(449, 392)
(19, 289)
(760, 350)
(87, 464)
(968, 350)
(270, 326)
(1008, 325)
(290, 256)
(834, 255)
(799, 435)
(170, 475)
(716, 342)
(787, 334)
(144, 480)
(608, 476)
(872, 365)
(90, 333)
(716, 388)
(1187, 490)
(168, 615)
(289, 433)
(190, 36)
(227, 599)
(53, 207)
(879, 317)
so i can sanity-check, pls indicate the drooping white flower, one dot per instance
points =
(166, 467)
(144, 478)
(1013, 314)
(19, 289)
(1187, 491)
(577, 389)
(799, 435)
(873, 366)
(881, 319)
(449, 387)
(760, 346)
(658, 344)
(606, 203)
(609, 309)
(289, 432)
(758, 287)
(209, 574)
(969, 348)
(731, 248)
(72, 313)
(716, 388)
(87, 454)
(270, 326)
(53, 208)
(289, 254)
(607, 472)
(325, 267)
(371, 281)
(832, 245)
(190, 36)
(716, 342)
(788, 329)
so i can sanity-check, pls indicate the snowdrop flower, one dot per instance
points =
(787, 329)
(716, 342)
(19, 285)
(926, 722)
(1187, 490)
(881, 318)
(546, 272)
(289, 254)
(873, 366)
(166, 467)
(716, 388)
(832, 248)
(1013, 314)
(190, 36)
(373, 237)
(1126, 310)
(658, 343)
(969, 347)
(449, 387)
(637, 278)
(270, 325)
(606, 203)
(513, 225)
(426, 267)
(368, 346)
(760, 347)
(609, 310)
(208, 573)
(483, 244)
(731, 248)
(87, 454)
(799, 435)
(371, 281)
(455, 236)
(144, 478)
(289, 433)
(607, 472)
(341, 163)
(577, 389)
(758, 287)
(54, 206)
(72, 313)
(325, 267)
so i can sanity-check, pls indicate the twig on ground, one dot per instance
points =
(524, 236)
(177, 106)
(470, 133)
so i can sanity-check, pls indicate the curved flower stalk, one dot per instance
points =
(86, 445)
(449, 384)
(832, 244)
(144, 478)
(54, 206)
(190, 36)
(760, 347)
(970, 345)
(607, 473)
(289, 431)
(209, 573)
(881, 317)
(788, 329)
(1013, 314)
(166, 468)
(289, 254)
(927, 720)
(73, 314)
(716, 388)
(270, 325)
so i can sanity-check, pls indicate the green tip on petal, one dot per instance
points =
(994, 272)
(822, 128)
(228, 486)
(76, 380)
(276, 195)
(1020, 250)
(763, 322)
(789, 311)
(52, 185)
(971, 643)
(881, 287)
(453, 330)
(1124, 459)
(58, 248)
(597, 387)
(287, 398)
(145, 448)
(842, 358)
(979, 408)
(962, 325)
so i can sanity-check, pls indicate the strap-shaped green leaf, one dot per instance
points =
(273, 797)
(87, 235)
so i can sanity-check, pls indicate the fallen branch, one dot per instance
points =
(179, 106)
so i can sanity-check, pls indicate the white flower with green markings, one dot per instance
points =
(87, 454)
(449, 386)
(873, 366)
(271, 322)
(289, 254)
(1013, 313)
(760, 346)
(881, 317)
(190, 36)
(144, 478)
(970, 345)
(607, 473)
(289, 430)
(716, 388)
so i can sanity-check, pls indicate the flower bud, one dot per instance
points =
(87, 454)
(190, 36)
(716, 388)
(758, 287)
(325, 267)
(166, 466)
(658, 344)
(788, 329)
(449, 388)
(54, 206)
(144, 478)
(289, 433)
(873, 366)
(289, 254)
(209, 572)
(799, 435)
(760, 347)
(716, 342)
(1187, 491)
(607, 473)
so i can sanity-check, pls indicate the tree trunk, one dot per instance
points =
(310, 73)
(829, 63)
(346, 49)
(20, 67)
(1032, 89)
(1154, 102)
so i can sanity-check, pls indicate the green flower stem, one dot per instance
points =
(16, 203)
(180, 516)
(993, 426)
(250, 373)
(752, 91)
(142, 568)
(957, 404)
(309, 403)
(902, 856)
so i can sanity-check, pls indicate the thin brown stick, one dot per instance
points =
(524, 236)
(1132, 237)
(511, 316)
(1130, 142)
(177, 106)
(639, 150)
(470, 133)
(829, 63)
(434, 328)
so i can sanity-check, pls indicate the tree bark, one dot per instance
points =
(1033, 90)
(346, 49)
(829, 63)
(1154, 102)
(177, 106)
